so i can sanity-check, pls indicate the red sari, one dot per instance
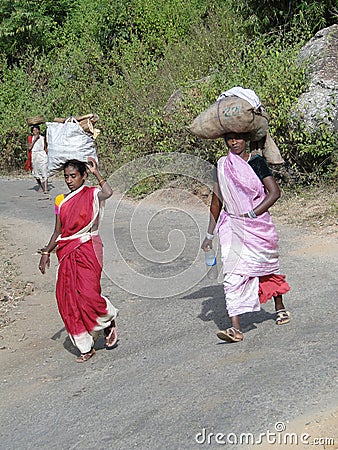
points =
(28, 163)
(83, 309)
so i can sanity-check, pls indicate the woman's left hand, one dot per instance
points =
(92, 165)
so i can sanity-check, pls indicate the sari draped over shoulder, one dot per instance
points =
(80, 253)
(39, 159)
(249, 246)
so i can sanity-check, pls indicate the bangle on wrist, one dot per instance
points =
(209, 236)
(251, 214)
(45, 253)
(102, 181)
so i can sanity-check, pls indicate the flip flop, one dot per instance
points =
(111, 334)
(85, 356)
(230, 335)
(282, 317)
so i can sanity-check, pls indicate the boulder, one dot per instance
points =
(319, 103)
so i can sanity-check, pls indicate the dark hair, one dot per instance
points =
(79, 165)
(34, 126)
(245, 136)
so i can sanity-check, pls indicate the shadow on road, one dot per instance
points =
(213, 308)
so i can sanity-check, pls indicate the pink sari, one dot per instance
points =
(249, 246)
(83, 309)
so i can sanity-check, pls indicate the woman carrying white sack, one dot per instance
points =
(39, 150)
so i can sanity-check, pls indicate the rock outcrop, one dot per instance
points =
(319, 103)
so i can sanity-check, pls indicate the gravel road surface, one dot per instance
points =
(169, 383)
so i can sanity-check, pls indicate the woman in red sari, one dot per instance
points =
(84, 311)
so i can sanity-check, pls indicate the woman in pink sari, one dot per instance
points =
(84, 310)
(243, 192)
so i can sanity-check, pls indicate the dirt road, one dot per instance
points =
(169, 384)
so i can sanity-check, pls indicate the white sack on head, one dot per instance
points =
(246, 94)
(68, 141)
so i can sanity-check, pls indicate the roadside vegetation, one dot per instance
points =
(124, 60)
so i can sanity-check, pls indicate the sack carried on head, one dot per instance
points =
(68, 141)
(230, 115)
(238, 110)
(36, 120)
(267, 148)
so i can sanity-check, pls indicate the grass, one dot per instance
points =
(314, 208)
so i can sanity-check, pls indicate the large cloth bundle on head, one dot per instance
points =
(238, 110)
(67, 141)
(230, 114)
(267, 148)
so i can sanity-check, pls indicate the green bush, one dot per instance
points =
(27, 25)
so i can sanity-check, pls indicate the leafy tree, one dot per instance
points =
(124, 59)
(152, 23)
(309, 15)
(27, 25)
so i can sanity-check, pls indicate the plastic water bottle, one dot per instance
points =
(211, 264)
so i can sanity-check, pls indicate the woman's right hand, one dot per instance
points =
(44, 262)
(206, 245)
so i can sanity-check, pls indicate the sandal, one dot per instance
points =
(85, 356)
(111, 334)
(231, 335)
(282, 317)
